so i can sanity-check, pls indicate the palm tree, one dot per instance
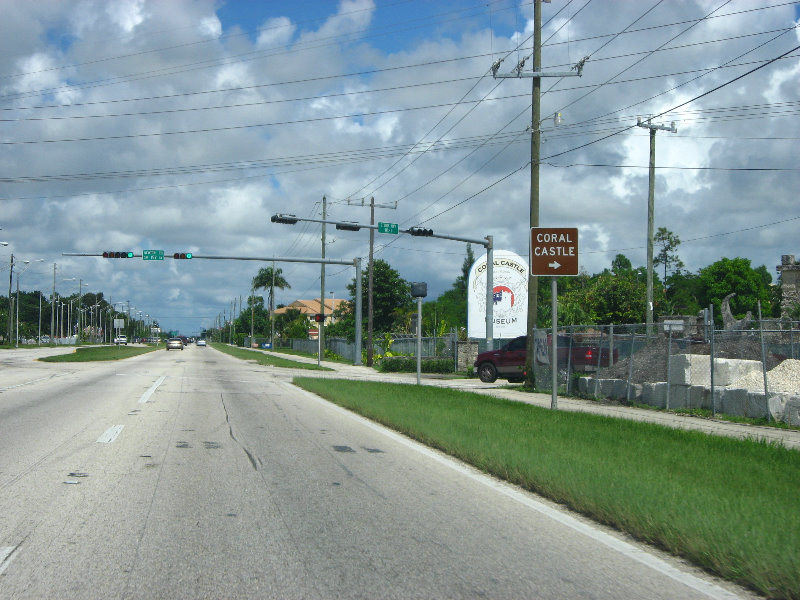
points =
(269, 278)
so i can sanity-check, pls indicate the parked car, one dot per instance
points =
(121, 339)
(509, 361)
(175, 344)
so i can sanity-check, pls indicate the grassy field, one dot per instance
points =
(94, 353)
(266, 359)
(730, 506)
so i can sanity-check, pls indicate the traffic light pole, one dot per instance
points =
(486, 242)
(356, 262)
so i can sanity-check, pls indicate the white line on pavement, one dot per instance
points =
(6, 556)
(110, 434)
(146, 396)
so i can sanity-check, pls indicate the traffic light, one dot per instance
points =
(348, 226)
(182, 255)
(285, 219)
(420, 231)
(319, 318)
(110, 254)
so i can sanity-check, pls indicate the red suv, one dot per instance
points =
(508, 362)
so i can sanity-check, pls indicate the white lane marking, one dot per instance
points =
(110, 434)
(146, 396)
(6, 556)
(711, 590)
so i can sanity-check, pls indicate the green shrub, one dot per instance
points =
(408, 364)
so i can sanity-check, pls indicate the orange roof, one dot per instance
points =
(312, 307)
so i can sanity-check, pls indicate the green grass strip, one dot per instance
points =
(95, 353)
(266, 359)
(730, 506)
(328, 358)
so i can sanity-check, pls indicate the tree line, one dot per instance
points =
(615, 295)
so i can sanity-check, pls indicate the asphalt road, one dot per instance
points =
(195, 475)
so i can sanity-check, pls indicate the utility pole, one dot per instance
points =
(651, 210)
(370, 273)
(10, 278)
(321, 325)
(52, 306)
(252, 311)
(536, 137)
(272, 310)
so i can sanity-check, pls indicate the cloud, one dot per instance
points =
(393, 102)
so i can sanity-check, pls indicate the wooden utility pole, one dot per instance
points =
(651, 212)
(536, 137)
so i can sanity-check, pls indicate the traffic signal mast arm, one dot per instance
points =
(486, 242)
(350, 226)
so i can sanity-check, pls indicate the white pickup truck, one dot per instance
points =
(121, 339)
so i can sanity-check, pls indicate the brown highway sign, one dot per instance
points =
(554, 251)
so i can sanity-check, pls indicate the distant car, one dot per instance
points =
(175, 344)
(121, 339)
(201, 342)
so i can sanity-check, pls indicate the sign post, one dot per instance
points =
(554, 252)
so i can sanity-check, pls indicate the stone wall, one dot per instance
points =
(789, 272)
(467, 352)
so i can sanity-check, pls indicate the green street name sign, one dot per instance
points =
(388, 228)
(152, 255)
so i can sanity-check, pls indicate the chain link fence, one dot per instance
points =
(686, 363)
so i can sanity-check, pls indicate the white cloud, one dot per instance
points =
(127, 14)
(275, 33)
(210, 27)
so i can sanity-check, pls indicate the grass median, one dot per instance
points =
(266, 359)
(730, 506)
(95, 353)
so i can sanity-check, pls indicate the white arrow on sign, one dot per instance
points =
(554, 265)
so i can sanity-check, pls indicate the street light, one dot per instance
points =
(27, 264)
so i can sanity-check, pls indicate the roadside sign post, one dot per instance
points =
(554, 252)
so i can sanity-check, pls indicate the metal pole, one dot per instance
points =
(321, 327)
(16, 340)
(419, 337)
(554, 310)
(357, 358)
(569, 363)
(669, 360)
(630, 369)
(370, 279)
(272, 310)
(52, 305)
(10, 279)
(711, 351)
(611, 346)
(763, 357)
(489, 292)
